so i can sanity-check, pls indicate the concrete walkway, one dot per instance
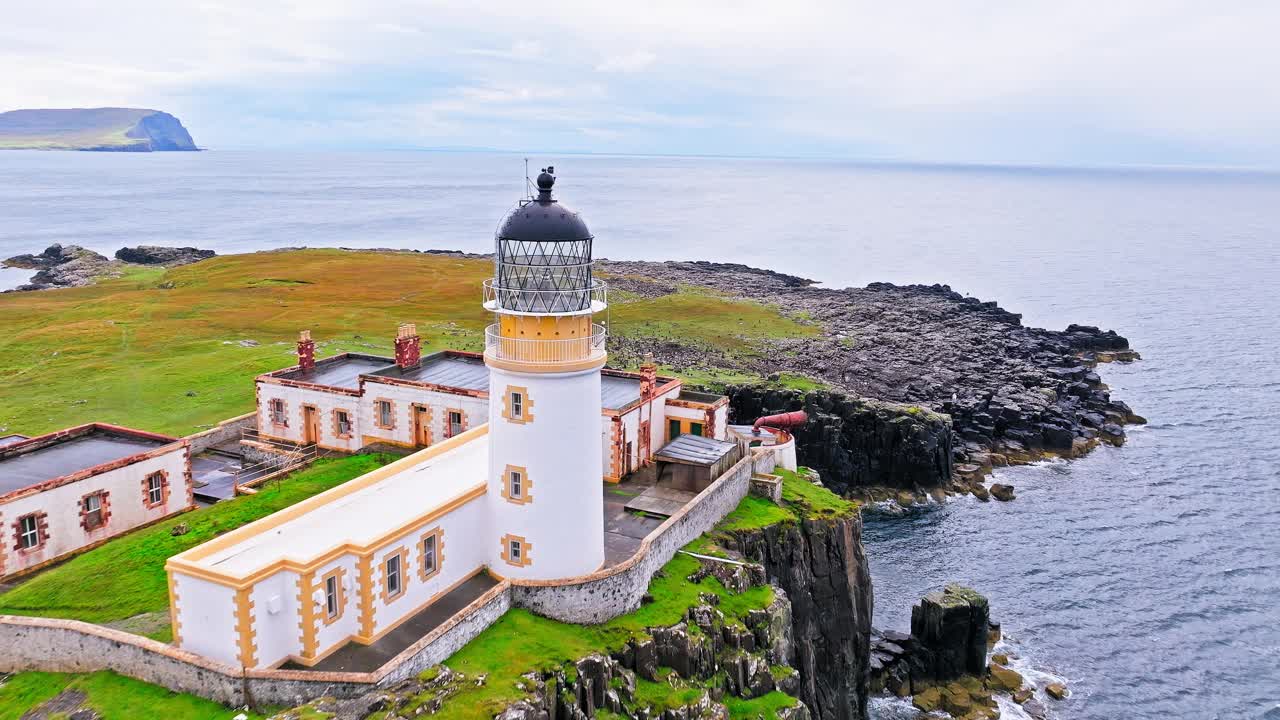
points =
(354, 657)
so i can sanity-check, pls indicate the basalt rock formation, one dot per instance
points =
(855, 442)
(1012, 392)
(63, 266)
(72, 266)
(820, 564)
(159, 255)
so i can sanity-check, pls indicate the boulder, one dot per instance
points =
(1057, 691)
(1035, 709)
(1005, 678)
(1002, 492)
(928, 700)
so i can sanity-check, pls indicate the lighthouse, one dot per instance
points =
(544, 352)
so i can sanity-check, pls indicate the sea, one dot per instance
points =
(1146, 577)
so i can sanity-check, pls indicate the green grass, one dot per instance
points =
(162, 346)
(521, 641)
(800, 498)
(125, 577)
(765, 706)
(112, 696)
(695, 316)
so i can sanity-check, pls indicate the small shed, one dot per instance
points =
(692, 462)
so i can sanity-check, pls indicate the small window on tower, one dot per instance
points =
(517, 484)
(517, 405)
(516, 551)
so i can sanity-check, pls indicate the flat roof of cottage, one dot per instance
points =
(342, 371)
(360, 511)
(21, 467)
(444, 368)
(617, 392)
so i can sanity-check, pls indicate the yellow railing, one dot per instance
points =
(540, 351)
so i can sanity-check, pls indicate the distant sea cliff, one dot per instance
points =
(96, 129)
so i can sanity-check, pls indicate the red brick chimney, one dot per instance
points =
(306, 351)
(408, 346)
(648, 376)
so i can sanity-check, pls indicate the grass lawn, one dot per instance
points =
(160, 349)
(800, 498)
(521, 641)
(112, 696)
(125, 577)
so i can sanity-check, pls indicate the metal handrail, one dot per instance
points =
(533, 300)
(545, 351)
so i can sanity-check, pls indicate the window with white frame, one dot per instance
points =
(29, 535)
(332, 601)
(343, 420)
(92, 511)
(455, 422)
(517, 405)
(395, 580)
(384, 413)
(430, 557)
(277, 412)
(515, 551)
(155, 488)
(515, 484)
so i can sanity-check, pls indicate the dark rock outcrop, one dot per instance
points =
(1010, 390)
(854, 442)
(160, 255)
(63, 266)
(950, 630)
(821, 566)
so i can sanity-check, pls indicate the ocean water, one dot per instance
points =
(1147, 576)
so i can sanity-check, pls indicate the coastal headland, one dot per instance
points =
(909, 389)
(93, 129)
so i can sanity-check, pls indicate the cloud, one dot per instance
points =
(1090, 82)
(629, 63)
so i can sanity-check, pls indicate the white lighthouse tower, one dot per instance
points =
(544, 355)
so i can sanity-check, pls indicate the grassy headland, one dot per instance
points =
(176, 350)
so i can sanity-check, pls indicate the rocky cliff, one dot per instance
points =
(855, 442)
(820, 564)
(100, 129)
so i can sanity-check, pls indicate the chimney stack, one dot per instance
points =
(306, 351)
(408, 346)
(648, 376)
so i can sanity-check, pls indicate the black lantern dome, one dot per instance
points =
(543, 256)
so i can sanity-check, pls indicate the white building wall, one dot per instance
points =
(332, 634)
(325, 403)
(61, 506)
(207, 618)
(564, 520)
(475, 411)
(276, 617)
(722, 422)
(461, 551)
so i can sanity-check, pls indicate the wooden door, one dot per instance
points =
(310, 425)
(421, 425)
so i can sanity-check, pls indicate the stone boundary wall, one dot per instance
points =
(606, 594)
(224, 431)
(51, 645)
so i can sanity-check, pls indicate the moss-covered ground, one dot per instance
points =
(111, 696)
(161, 349)
(125, 577)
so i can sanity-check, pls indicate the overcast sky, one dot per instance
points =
(1019, 81)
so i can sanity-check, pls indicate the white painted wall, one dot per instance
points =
(475, 411)
(564, 522)
(295, 398)
(277, 634)
(207, 618)
(334, 634)
(62, 508)
(462, 552)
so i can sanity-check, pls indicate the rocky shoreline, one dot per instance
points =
(927, 388)
(61, 266)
